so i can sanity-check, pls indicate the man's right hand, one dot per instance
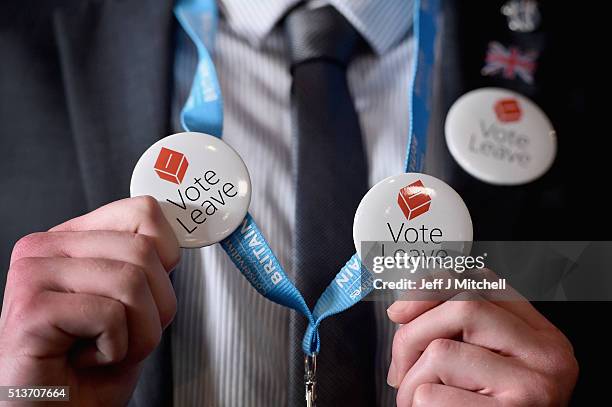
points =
(87, 301)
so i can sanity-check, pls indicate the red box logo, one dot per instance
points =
(508, 110)
(171, 165)
(414, 200)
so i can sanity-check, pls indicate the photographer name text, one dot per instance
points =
(440, 284)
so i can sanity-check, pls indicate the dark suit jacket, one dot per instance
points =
(85, 89)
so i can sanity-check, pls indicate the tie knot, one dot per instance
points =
(320, 33)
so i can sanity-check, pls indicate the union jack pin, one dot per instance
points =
(510, 62)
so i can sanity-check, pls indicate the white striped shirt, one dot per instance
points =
(229, 344)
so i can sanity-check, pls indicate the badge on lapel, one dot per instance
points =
(500, 137)
(510, 62)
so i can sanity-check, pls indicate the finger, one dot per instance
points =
(141, 215)
(414, 303)
(402, 312)
(50, 322)
(475, 321)
(121, 246)
(428, 295)
(436, 395)
(512, 301)
(459, 365)
(120, 281)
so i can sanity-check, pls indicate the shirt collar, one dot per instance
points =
(381, 22)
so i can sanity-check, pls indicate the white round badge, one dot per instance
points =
(412, 208)
(500, 137)
(201, 183)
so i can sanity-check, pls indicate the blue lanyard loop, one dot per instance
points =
(246, 247)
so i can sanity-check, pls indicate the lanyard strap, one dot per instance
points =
(246, 247)
(424, 29)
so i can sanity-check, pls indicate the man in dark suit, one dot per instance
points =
(84, 90)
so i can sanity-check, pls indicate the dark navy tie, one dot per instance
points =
(331, 178)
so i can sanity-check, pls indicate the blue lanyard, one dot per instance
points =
(246, 247)
(424, 29)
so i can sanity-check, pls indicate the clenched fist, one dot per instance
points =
(87, 301)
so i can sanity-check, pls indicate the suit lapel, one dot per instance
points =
(115, 61)
(115, 58)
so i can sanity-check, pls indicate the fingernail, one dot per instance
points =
(392, 375)
(397, 307)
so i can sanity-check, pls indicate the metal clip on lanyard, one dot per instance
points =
(246, 246)
(310, 379)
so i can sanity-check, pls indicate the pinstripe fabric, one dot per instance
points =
(229, 344)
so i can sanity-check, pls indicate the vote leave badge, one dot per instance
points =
(201, 184)
(500, 137)
(412, 209)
